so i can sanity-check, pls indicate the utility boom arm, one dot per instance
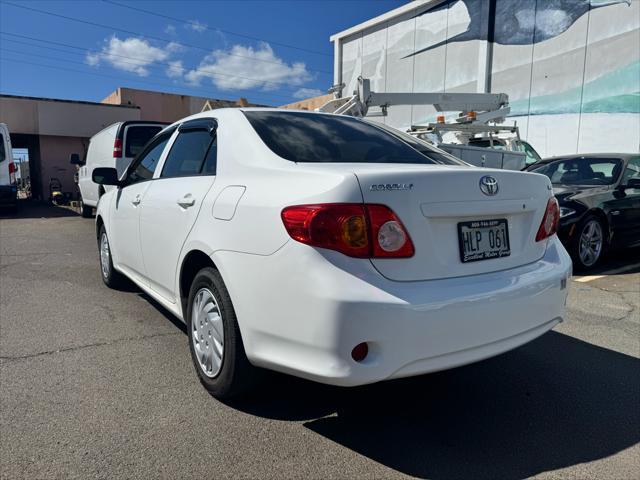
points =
(490, 106)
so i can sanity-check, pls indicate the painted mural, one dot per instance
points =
(571, 67)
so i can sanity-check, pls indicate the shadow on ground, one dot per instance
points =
(554, 403)
(36, 209)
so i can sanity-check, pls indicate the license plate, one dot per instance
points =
(483, 240)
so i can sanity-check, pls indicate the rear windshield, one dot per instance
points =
(137, 138)
(317, 138)
(581, 171)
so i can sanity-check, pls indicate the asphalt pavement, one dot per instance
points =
(96, 383)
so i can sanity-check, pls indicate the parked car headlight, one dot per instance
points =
(565, 212)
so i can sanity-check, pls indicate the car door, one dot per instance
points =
(124, 231)
(173, 200)
(625, 209)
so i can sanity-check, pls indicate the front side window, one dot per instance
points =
(145, 165)
(318, 138)
(187, 155)
(582, 171)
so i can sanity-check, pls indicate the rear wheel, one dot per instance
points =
(589, 243)
(110, 276)
(86, 211)
(215, 342)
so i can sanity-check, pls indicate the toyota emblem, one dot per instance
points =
(488, 185)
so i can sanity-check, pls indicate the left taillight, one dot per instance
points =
(117, 148)
(12, 172)
(549, 224)
(357, 230)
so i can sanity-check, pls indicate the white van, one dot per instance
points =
(8, 187)
(114, 147)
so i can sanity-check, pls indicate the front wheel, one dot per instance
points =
(110, 277)
(215, 342)
(589, 243)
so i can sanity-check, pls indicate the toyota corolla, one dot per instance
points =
(326, 247)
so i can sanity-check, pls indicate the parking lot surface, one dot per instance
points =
(99, 383)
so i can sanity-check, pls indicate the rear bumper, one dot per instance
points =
(301, 311)
(8, 195)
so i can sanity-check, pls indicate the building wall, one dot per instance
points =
(571, 68)
(54, 161)
(309, 103)
(60, 117)
(166, 107)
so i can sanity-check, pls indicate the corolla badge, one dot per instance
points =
(489, 185)
(391, 186)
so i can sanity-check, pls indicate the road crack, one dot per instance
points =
(88, 345)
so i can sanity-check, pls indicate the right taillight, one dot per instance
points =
(549, 224)
(117, 148)
(357, 230)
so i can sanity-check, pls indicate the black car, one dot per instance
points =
(599, 197)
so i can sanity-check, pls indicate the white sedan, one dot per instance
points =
(326, 247)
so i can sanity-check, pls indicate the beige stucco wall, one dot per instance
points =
(60, 118)
(54, 160)
(164, 107)
(309, 103)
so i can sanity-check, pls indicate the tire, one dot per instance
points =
(215, 342)
(86, 211)
(588, 246)
(110, 277)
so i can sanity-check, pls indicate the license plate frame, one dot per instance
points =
(470, 255)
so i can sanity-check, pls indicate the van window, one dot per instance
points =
(137, 138)
(187, 154)
(3, 153)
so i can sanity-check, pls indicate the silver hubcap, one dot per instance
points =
(590, 243)
(207, 332)
(104, 255)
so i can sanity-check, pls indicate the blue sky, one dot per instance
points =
(270, 52)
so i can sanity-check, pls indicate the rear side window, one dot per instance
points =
(137, 138)
(317, 138)
(187, 155)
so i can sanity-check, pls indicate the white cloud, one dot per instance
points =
(196, 26)
(242, 68)
(170, 29)
(307, 92)
(131, 54)
(175, 69)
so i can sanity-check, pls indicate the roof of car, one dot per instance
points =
(588, 155)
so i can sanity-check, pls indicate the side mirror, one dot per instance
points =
(105, 176)
(632, 183)
(74, 159)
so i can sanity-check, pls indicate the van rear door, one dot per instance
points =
(134, 136)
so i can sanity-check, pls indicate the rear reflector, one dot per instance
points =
(355, 229)
(549, 224)
(117, 148)
(360, 352)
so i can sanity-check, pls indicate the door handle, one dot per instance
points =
(136, 200)
(186, 201)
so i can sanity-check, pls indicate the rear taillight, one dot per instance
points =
(117, 148)
(357, 230)
(549, 224)
(12, 172)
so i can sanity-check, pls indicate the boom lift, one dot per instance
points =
(477, 111)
